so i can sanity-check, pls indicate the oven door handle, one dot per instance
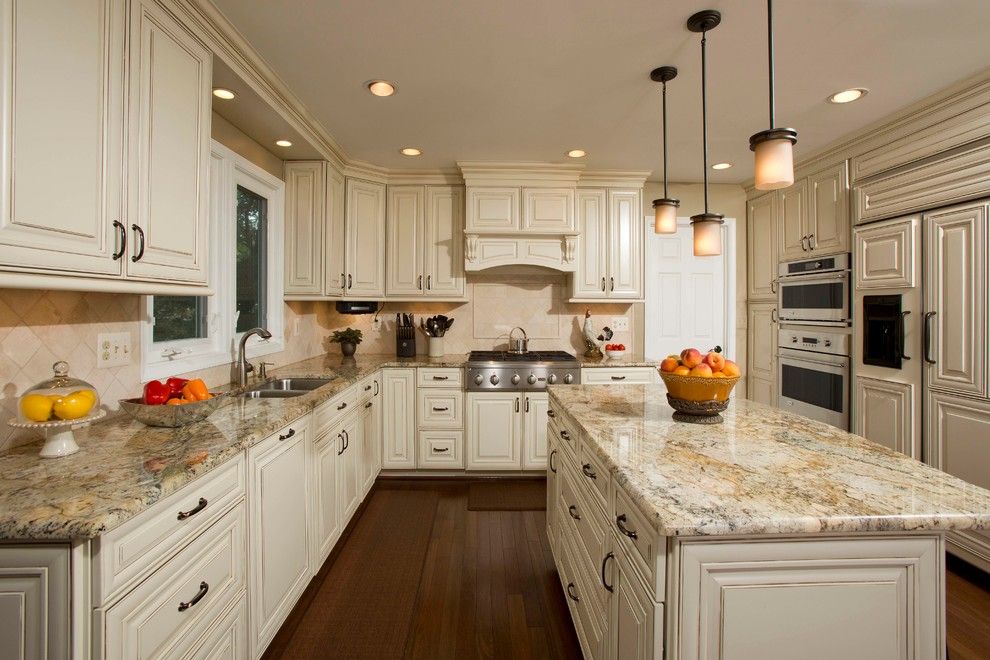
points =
(837, 363)
(838, 276)
(901, 332)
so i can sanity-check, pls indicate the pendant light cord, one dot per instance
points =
(704, 116)
(664, 120)
(770, 55)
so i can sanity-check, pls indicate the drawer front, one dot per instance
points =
(139, 546)
(227, 640)
(332, 412)
(587, 530)
(439, 377)
(441, 409)
(594, 475)
(587, 621)
(165, 615)
(619, 376)
(568, 438)
(368, 388)
(441, 450)
(639, 542)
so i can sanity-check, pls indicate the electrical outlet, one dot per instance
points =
(113, 349)
(620, 324)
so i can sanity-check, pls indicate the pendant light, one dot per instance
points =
(707, 226)
(774, 147)
(665, 208)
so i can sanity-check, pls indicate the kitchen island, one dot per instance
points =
(767, 536)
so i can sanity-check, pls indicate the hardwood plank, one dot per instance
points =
(967, 611)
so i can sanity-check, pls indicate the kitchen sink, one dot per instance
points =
(285, 388)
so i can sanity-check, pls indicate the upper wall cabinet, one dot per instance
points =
(364, 237)
(548, 209)
(611, 246)
(761, 255)
(424, 237)
(63, 223)
(493, 209)
(813, 215)
(305, 210)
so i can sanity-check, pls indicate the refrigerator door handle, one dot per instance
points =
(928, 337)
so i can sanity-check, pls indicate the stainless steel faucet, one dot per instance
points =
(243, 366)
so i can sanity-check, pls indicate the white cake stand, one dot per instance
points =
(60, 439)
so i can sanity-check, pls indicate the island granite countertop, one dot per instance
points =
(763, 471)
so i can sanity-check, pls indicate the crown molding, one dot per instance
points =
(612, 179)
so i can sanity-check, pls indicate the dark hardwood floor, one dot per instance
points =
(418, 575)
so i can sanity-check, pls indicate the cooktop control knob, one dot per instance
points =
(515, 379)
(568, 379)
(494, 380)
(479, 379)
(552, 378)
(531, 379)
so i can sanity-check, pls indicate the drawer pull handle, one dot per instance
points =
(573, 511)
(123, 240)
(620, 522)
(367, 387)
(440, 450)
(551, 413)
(441, 378)
(926, 340)
(347, 440)
(288, 435)
(367, 405)
(376, 387)
(588, 472)
(570, 593)
(192, 512)
(550, 461)
(342, 406)
(608, 587)
(618, 377)
(204, 587)
(340, 436)
(140, 232)
(436, 409)
(565, 435)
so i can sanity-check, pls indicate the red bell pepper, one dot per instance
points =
(156, 393)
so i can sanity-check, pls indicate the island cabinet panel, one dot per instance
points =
(619, 376)
(635, 621)
(553, 484)
(869, 597)
(638, 541)
(34, 601)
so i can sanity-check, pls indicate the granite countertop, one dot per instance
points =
(627, 360)
(763, 471)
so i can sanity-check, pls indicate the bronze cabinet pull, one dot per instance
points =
(773, 315)
(140, 232)
(517, 404)
(618, 377)
(608, 587)
(571, 594)
(565, 435)
(527, 404)
(343, 281)
(441, 378)
(429, 282)
(350, 282)
(573, 511)
(123, 240)
(342, 406)
(204, 587)
(288, 435)
(367, 387)
(419, 284)
(588, 472)
(340, 436)
(367, 405)
(899, 337)
(620, 522)
(347, 440)
(927, 339)
(437, 409)
(812, 244)
(603, 284)
(440, 450)
(193, 511)
(550, 461)
(551, 413)
(611, 282)
(376, 387)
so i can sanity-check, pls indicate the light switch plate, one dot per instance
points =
(113, 349)
(620, 324)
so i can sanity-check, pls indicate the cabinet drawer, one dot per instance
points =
(441, 450)
(619, 376)
(439, 377)
(332, 412)
(568, 439)
(594, 475)
(367, 389)
(227, 640)
(587, 527)
(587, 618)
(639, 542)
(139, 546)
(441, 409)
(167, 613)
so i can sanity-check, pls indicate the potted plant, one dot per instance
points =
(348, 338)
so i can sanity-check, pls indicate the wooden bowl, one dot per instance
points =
(698, 388)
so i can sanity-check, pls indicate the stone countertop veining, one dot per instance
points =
(763, 471)
(124, 467)
(628, 360)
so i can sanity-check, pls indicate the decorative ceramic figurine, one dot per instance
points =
(592, 341)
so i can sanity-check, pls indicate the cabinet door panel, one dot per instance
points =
(61, 160)
(444, 241)
(493, 209)
(326, 524)
(591, 278)
(371, 437)
(405, 229)
(365, 258)
(534, 437)
(793, 205)
(956, 257)
(334, 240)
(548, 209)
(398, 419)
(304, 214)
(348, 469)
(828, 193)
(625, 261)
(762, 335)
(493, 431)
(886, 414)
(635, 622)
(34, 601)
(170, 82)
(761, 241)
(884, 254)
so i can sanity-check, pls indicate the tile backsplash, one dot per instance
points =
(38, 328)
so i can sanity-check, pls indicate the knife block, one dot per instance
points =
(405, 342)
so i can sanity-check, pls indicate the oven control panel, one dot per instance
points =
(812, 339)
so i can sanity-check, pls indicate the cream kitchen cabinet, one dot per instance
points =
(792, 220)
(492, 209)
(334, 235)
(611, 246)
(425, 242)
(494, 430)
(886, 413)
(349, 491)
(364, 259)
(761, 376)
(635, 621)
(534, 431)
(813, 214)
(305, 210)
(34, 606)
(548, 210)
(398, 419)
(370, 462)
(278, 528)
(762, 247)
(326, 524)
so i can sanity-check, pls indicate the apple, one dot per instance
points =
(702, 370)
(731, 369)
(715, 361)
(691, 357)
(669, 364)
(682, 371)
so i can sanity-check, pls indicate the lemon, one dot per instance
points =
(89, 395)
(73, 406)
(36, 407)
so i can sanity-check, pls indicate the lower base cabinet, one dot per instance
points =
(34, 601)
(398, 419)
(635, 622)
(506, 430)
(348, 479)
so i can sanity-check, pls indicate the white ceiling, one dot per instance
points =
(525, 80)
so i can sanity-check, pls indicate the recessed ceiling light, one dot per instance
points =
(222, 93)
(577, 153)
(721, 166)
(283, 143)
(381, 87)
(848, 95)
(410, 151)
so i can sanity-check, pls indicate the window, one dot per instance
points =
(186, 333)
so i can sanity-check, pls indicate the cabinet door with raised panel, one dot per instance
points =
(334, 240)
(635, 621)
(956, 299)
(828, 206)
(349, 461)
(326, 523)
(398, 419)
(34, 601)
(761, 252)
(405, 230)
(885, 254)
(169, 144)
(534, 433)
(762, 351)
(793, 220)
(61, 141)
(886, 413)
(371, 438)
(591, 278)
(304, 212)
(493, 430)
(444, 241)
(492, 209)
(365, 257)
(625, 260)
(548, 209)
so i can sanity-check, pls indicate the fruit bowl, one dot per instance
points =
(698, 399)
(614, 355)
(171, 416)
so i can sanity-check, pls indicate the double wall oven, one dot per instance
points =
(813, 366)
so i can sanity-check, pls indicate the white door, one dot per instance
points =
(348, 469)
(326, 525)
(689, 299)
(62, 99)
(625, 250)
(444, 252)
(398, 419)
(534, 437)
(493, 430)
(169, 144)
(365, 258)
(304, 213)
(405, 231)
(591, 278)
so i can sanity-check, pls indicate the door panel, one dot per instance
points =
(548, 209)
(405, 229)
(333, 235)
(493, 422)
(445, 241)
(348, 469)
(793, 204)
(886, 414)
(885, 254)
(493, 208)
(635, 622)
(398, 419)
(761, 242)
(326, 524)
(365, 258)
(625, 261)
(828, 193)
(535, 407)
(304, 213)
(591, 278)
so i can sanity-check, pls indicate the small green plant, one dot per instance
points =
(346, 336)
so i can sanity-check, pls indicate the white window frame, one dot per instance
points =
(228, 170)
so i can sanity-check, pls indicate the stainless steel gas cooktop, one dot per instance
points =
(532, 370)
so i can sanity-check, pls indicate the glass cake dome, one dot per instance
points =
(58, 399)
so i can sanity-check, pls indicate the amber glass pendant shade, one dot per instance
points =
(665, 215)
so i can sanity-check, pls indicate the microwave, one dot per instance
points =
(815, 291)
